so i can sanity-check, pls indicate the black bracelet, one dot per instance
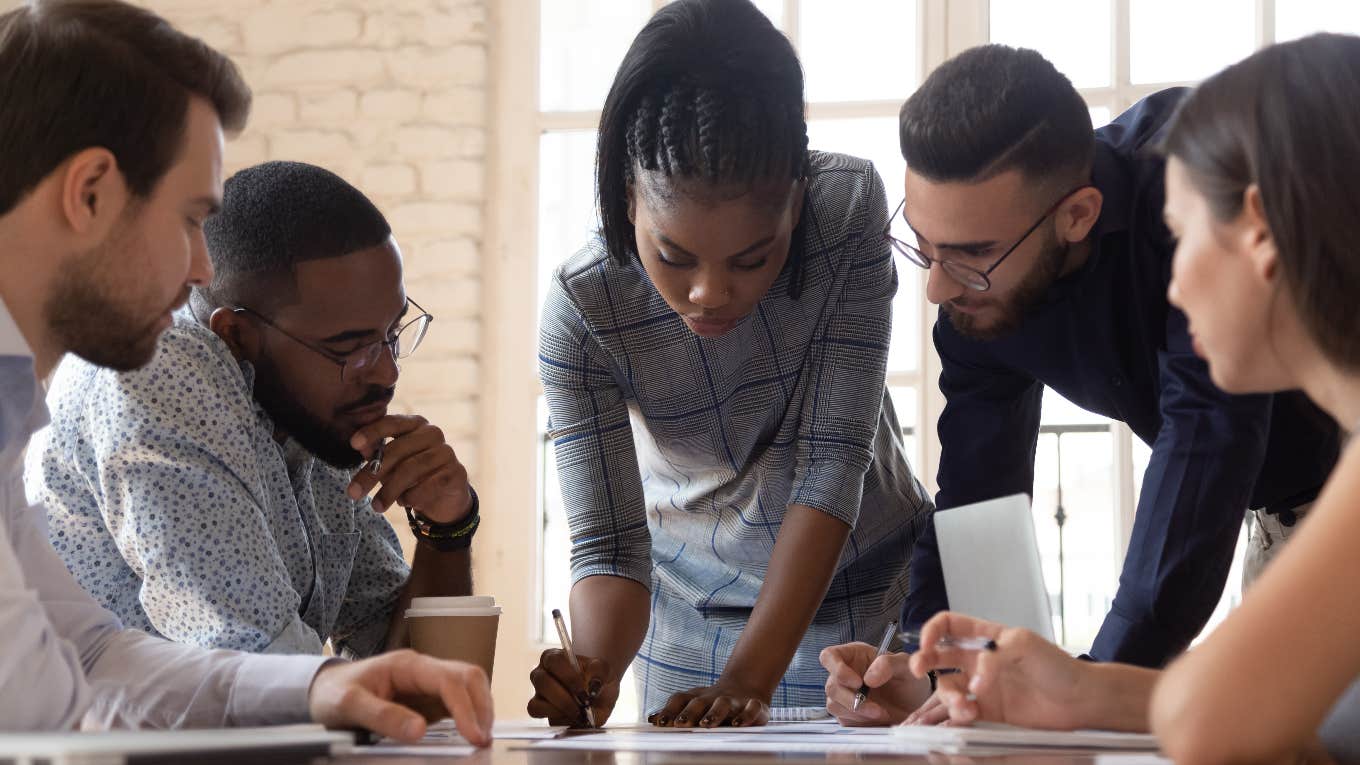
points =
(447, 537)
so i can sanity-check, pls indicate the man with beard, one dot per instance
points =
(111, 128)
(1050, 263)
(216, 496)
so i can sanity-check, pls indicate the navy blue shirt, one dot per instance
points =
(1106, 339)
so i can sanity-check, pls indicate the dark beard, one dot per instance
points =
(85, 319)
(1022, 300)
(317, 437)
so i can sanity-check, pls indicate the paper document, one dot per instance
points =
(808, 743)
(988, 734)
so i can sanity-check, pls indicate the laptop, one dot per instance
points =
(272, 745)
(990, 559)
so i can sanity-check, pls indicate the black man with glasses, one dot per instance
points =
(230, 494)
(1050, 262)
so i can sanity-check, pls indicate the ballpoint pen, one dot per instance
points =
(888, 634)
(571, 656)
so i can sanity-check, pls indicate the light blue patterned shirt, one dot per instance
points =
(173, 504)
(678, 455)
(66, 660)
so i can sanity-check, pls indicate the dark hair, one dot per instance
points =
(1287, 119)
(275, 215)
(76, 74)
(709, 91)
(992, 109)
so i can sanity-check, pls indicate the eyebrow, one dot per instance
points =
(360, 334)
(667, 241)
(212, 204)
(968, 247)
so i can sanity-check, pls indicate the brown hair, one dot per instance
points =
(1287, 119)
(76, 74)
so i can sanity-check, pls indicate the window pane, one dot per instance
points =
(772, 8)
(1169, 43)
(1100, 116)
(905, 404)
(1297, 18)
(1084, 57)
(581, 46)
(1078, 555)
(567, 216)
(858, 50)
(875, 139)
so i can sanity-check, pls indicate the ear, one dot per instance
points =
(93, 192)
(631, 191)
(1256, 238)
(1078, 215)
(238, 331)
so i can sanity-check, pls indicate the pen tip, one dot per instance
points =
(557, 613)
(991, 645)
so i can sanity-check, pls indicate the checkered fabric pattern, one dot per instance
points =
(678, 454)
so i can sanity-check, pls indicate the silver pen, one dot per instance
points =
(571, 656)
(863, 693)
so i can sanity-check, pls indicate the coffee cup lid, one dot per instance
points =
(464, 601)
(412, 613)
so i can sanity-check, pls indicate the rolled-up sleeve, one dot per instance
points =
(847, 364)
(597, 463)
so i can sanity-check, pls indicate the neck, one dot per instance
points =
(1337, 391)
(1077, 255)
(24, 288)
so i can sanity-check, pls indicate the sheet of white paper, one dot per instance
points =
(1132, 759)
(826, 726)
(413, 750)
(950, 739)
(804, 743)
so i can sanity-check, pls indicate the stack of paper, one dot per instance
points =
(949, 739)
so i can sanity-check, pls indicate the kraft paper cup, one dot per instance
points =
(460, 629)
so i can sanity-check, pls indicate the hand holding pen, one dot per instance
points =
(575, 663)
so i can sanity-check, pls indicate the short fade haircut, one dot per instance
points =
(274, 216)
(77, 74)
(992, 109)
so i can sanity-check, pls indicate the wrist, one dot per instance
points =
(1112, 696)
(734, 676)
(446, 537)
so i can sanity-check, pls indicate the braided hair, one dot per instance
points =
(709, 94)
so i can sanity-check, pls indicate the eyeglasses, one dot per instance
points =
(962, 273)
(401, 343)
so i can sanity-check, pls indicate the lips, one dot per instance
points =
(710, 327)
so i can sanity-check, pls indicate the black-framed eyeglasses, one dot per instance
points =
(963, 273)
(402, 343)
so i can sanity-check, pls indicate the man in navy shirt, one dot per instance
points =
(1050, 263)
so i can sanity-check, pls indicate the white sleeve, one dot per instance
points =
(66, 657)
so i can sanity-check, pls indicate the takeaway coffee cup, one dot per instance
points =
(455, 628)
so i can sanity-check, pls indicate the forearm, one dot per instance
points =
(1115, 696)
(434, 574)
(800, 570)
(609, 618)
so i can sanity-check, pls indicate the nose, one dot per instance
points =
(710, 291)
(382, 371)
(200, 265)
(941, 287)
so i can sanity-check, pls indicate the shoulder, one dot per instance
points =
(593, 289)
(845, 195)
(192, 369)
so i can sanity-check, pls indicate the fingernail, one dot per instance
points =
(412, 729)
(974, 683)
(911, 719)
(736, 722)
(661, 721)
(707, 722)
(583, 699)
(681, 720)
(596, 686)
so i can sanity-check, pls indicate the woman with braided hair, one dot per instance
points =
(714, 364)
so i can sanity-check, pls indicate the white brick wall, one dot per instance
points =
(392, 95)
